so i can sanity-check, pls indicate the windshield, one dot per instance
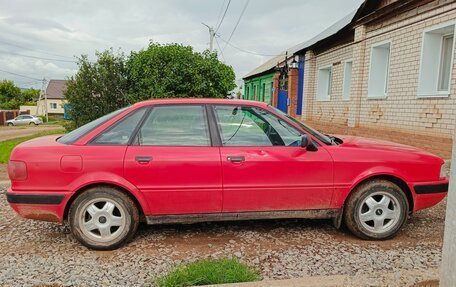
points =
(324, 138)
(73, 136)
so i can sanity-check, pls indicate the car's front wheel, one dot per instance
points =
(376, 210)
(103, 218)
(10, 124)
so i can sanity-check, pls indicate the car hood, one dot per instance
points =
(368, 143)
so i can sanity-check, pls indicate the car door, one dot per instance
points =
(265, 168)
(19, 120)
(173, 162)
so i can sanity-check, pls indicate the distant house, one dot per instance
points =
(384, 71)
(53, 100)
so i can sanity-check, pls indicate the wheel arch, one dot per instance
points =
(388, 177)
(84, 188)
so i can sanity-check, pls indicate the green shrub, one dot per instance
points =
(206, 272)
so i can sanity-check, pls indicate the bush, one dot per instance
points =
(206, 272)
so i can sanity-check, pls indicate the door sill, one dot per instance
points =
(233, 216)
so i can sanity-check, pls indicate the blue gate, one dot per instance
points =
(282, 101)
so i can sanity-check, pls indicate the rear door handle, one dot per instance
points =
(143, 159)
(235, 158)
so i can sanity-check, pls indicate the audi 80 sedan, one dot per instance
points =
(197, 160)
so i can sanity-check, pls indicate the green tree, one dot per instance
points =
(97, 88)
(11, 96)
(174, 70)
(8, 91)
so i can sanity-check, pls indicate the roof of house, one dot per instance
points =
(56, 89)
(330, 31)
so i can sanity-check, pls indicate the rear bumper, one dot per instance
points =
(428, 194)
(46, 206)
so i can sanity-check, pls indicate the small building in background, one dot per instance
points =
(385, 71)
(54, 100)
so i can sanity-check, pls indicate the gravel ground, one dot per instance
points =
(33, 252)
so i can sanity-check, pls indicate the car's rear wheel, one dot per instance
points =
(103, 218)
(376, 210)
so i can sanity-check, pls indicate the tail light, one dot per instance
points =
(17, 170)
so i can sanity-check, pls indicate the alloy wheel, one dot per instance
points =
(102, 219)
(379, 212)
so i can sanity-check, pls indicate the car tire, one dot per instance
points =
(376, 210)
(103, 218)
(10, 124)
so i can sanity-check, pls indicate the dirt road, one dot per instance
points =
(7, 133)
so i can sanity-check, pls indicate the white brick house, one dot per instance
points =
(391, 71)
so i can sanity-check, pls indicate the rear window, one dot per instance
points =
(73, 136)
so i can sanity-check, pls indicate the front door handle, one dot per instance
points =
(143, 159)
(235, 158)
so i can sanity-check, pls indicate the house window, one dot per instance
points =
(436, 62)
(379, 70)
(324, 83)
(246, 94)
(347, 80)
(53, 106)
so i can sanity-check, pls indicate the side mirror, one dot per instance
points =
(307, 143)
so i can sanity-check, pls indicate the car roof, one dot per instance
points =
(201, 101)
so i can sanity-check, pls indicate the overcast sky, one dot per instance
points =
(40, 38)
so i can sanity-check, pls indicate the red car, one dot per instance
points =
(194, 160)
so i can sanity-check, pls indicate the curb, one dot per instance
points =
(414, 277)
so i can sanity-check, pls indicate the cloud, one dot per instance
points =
(60, 29)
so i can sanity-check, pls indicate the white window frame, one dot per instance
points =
(437, 93)
(51, 106)
(344, 97)
(324, 98)
(386, 84)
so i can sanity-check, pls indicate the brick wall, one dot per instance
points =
(401, 115)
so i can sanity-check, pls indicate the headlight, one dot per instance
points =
(443, 171)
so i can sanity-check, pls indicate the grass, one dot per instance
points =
(206, 272)
(6, 147)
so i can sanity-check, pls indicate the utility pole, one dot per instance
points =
(448, 267)
(43, 92)
(211, 36)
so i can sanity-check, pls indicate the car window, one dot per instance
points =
(19, 118)
(175, 126)
(289, 135)
(27, 117)
(246, 126)
(120, 132)
(73, 136)
(324, 138)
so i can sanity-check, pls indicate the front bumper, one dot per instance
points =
(428, 194)
(46, 206)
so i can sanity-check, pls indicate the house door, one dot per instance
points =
(282, 102)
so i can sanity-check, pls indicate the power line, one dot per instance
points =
(19, 75)
(37, 50)
(39, 58)
(223, 17)
(220, 12)
(247, 51)
(237, 23)
(221, 52)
